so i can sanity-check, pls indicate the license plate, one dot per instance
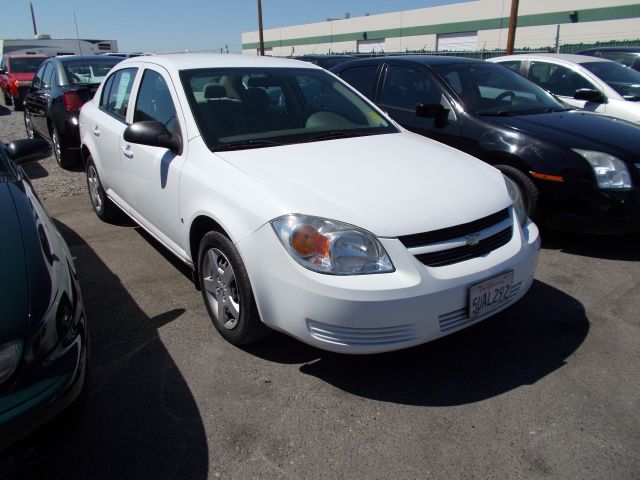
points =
(490, 294)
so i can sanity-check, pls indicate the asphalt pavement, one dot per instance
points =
(546, 389)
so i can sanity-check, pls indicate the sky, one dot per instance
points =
(152, 25)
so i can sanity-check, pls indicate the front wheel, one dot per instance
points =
(227, 291)
(63, 156)
(528, 190)
(102, 206)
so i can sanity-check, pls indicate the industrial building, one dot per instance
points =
(459, 26)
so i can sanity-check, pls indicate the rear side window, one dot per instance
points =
(512, 65)
(49, 76)
(155, 103)
(362, 79)
(116, 92)
(37, 80)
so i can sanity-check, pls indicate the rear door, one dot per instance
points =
(107, 126)
(37, 100)
(151, 175)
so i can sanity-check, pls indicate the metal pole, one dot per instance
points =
(558, 38)
(33, 20)
(260, 27)
(513, 22)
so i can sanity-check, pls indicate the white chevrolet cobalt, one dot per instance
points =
(300, 206)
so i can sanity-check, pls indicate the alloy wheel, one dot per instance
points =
(221, 288)
(94, 188)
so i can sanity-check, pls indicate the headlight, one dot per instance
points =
(610, 172)
(10, 354)
(331, 247)
(516, 198)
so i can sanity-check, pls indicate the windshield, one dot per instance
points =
(623, 80)
(490, 89)
(90, 71)
(247, 108)
(26, 65)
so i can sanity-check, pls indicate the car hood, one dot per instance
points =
(14, 303)
(391, 184)
(579, 129)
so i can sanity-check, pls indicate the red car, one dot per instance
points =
(16, 74)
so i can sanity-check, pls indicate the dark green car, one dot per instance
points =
(43, 337)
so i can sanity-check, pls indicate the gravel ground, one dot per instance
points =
(49, 180)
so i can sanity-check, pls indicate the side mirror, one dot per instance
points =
(589, 95)
(433, 110)
(28, 150)
(154, 134)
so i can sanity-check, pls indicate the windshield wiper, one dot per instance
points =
(334, 134)
(247, 144)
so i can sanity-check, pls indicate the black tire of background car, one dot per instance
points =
(64, 157)
(17, 105)
(107, 211)
(249, 328)
(31, 133)
(528, 190)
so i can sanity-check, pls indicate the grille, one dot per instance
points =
(359, 336)
(460, 254)
(435, 236)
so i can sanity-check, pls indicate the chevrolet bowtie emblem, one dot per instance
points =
(473, 239)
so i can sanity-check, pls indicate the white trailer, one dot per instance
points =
(45, 45)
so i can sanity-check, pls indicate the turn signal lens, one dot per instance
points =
(307, 241)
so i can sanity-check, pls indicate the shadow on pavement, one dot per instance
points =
(141, 420)
(623, 247)
(35, 170)
(517, 347)
(4, 111)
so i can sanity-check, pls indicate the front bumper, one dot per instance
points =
(587, 209)
(364, 314)
(42, 392)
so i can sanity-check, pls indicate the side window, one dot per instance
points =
(362, 79)
(115, 96)
(558, 79)
(48, 76)
(405, 87)
(512, 65)
(37, 79)
(154, 102)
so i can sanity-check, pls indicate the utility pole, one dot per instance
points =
(513, 22)
(33, 20)
(260, 27)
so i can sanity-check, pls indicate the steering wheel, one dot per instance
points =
(505, 94)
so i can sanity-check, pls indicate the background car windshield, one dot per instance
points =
(489, 89)
(256, 106)
(88, 71)
(623, 80)
(26, 65)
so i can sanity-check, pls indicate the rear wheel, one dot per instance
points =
(102, 206)
(227, 291)
(15, 102)
(528, 191)
(63, 156)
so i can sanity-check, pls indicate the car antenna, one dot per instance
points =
(75, 20)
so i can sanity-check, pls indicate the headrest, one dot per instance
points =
(213, 90)
(263, 82)
(255, 99)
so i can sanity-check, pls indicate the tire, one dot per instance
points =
(17, 105)
(104, 208)
(528, 190)
(227, 292)
(64, 158)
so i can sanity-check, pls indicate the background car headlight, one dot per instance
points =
(518, 201)
(610, 172)
(10, 355)
(331, 247)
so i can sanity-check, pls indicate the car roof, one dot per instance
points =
(422, 59)
(187, 61)
(25, 55)
(71, 58)
(635, 49)
(564, 57)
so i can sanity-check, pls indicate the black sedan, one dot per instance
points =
(576, 170)
(627, 56)
(43, 337)
(60, 87)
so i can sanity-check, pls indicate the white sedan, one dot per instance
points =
(300, 206)
(594, 84)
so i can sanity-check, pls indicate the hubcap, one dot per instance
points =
(94, 188)
(221, 288)
(56, 145)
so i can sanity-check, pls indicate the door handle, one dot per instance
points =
(126, 150)
(96, 131)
